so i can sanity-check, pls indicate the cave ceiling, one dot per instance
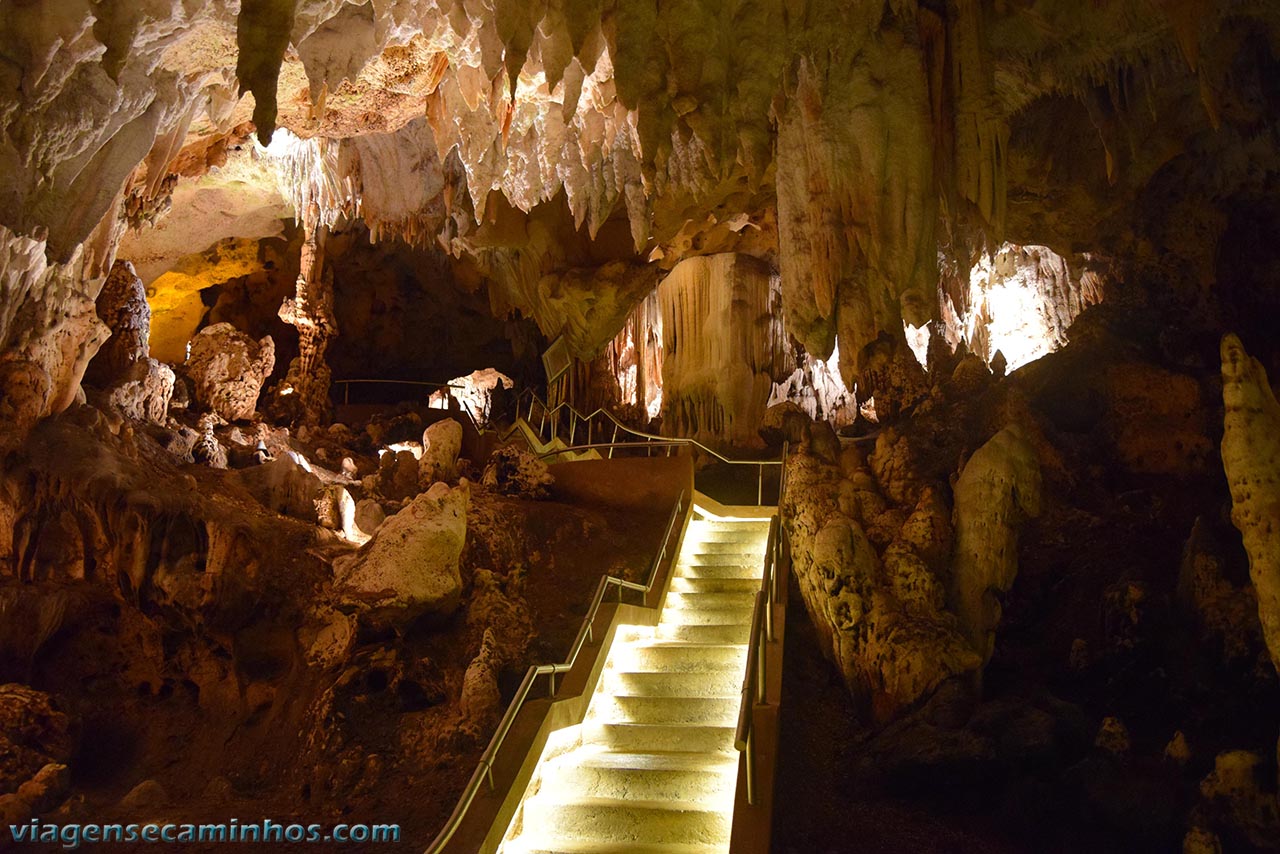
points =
(572, 151)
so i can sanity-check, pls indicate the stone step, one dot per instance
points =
(645, 738)
(704, 617)
(731, 535)
(725, 682)
(685, 777)
(683, 657)
(734, 633)
(754, 526)
(681, 584)
(749, 546)
(686, 600)
(625, 820)
(719, 569)
(696, 711)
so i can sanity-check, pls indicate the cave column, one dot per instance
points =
(310, 311)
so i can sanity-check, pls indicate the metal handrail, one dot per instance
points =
(484, 767)
(755, 679)
(347, 383)
(575, 416)
(574, 413)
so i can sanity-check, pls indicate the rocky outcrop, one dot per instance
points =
(877, 610)
(134, 382)
(481, 702)
(49, 329)
(511, 470)
(1251, 458)
(284, 486)
(441, 444)
(410, 567)
(228, 369)
(33, 733)
(998, 488)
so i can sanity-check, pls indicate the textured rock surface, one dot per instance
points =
(410, 567)
(880, 620)
(1251, 457)
(228, 369)
(998, 488)
(33, 733)
(511, 470)
(284, 486)
(139, 385)
(723, 348)
(441, 444)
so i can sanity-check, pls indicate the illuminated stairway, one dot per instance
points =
(653, 768)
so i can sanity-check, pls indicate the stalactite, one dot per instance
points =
(723, 348)
(1019, 301)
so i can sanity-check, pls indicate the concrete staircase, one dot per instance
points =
(652, 768)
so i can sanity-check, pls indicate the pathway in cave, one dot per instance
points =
(653, 766)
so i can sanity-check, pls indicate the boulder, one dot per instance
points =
(143, 391)
(336, 510)
(283, 485)
(410, 567)
(47, 788)
(441, 444)
(397, 477)
(369, 516)
(228, 369)
(784, 422)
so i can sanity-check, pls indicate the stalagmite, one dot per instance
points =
(305, 388)
(139, 385)
(998, 488)
(1251, 458)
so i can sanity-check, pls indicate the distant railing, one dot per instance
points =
(484, 768)
(346, 385)
(612, 426)
(756, 677)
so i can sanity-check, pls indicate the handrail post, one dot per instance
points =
(760, 485)
(751, 766)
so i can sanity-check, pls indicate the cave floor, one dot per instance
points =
(291, 743)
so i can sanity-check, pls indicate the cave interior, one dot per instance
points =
(347, 345)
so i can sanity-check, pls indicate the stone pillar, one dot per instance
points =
(310, 311)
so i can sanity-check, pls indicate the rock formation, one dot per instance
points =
(878, 611)
(139, 385)
(410, 567)
(228, 369)
(441, 444)
(723, 348)
(310, 311)
(998, 488)
(512, 470)
(1251, 457)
